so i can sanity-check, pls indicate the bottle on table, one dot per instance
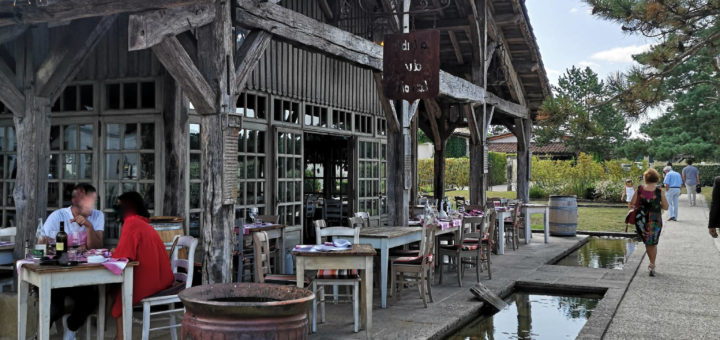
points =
(61, 241)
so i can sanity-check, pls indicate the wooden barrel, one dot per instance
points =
(167, 228)
(563, 215)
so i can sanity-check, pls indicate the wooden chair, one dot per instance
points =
(261, 246)
(245, 255)
(169, 297)
(488, 239)
(420, 267)
(513, 224)
(332, 211)
(335, 277)
(466, 250)
(365, 217)
(274, 253)
(460, 202)
(7, 234)
(357, 222)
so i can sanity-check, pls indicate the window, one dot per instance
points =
(289, 159)
(286, 111)
(342, 120)
(76, 98)
(195, 179)
(363, 123)
(314, 178)
(129, 165)
(130, 96)
(251, 172)
(316, 116)
(8, 173)
(71, 161)
(252, 106)
(381, 127)
(372, 177)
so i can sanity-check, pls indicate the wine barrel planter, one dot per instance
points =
(167, 229)
(245, 311)
(563, 215)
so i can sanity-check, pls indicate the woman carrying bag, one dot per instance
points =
(649, 202)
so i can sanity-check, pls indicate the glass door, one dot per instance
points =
(371, 176)
(288, 188)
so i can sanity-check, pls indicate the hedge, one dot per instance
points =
(707, 172)
(457, 171)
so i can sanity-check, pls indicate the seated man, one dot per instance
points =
(84, 227)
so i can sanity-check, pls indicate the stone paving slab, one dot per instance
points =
(683, 300)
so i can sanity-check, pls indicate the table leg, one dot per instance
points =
(384, 256)
(501, 233)
(528, 232)
(23, 288)
(367, 296)
(547, 225)
(127, 294)
(283, 251)
(44, 308)
(300, 272)
(280, 250)
(101, 312)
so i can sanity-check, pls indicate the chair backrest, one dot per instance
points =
(417, 211)
(490, 217)
(189, 243)
(428, 241)
(310, 205)
(332, 209)
(460, 201)
(356, 222)
(8, 233)
(268, 218)
(336, 231)
(365, 217)
(261, 246)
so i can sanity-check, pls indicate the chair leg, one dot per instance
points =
(336, 291)
(440, 267)
(429, 284)
(458, 263)
(421, 287)
(477, 267)
(322, 304)
(356, 306)
(173, 330)
(314, 306)
(146, 321)
(488, 266)
(391, 292)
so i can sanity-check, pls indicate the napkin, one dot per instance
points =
(342, 243)
(116, 266)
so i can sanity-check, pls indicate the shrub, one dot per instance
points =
(457, 173)
(537, 192)
(707, 172)
(497, 161)
(609, 190)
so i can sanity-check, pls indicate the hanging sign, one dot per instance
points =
(411, 65)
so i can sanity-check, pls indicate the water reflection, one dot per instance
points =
(533, 316)
(601, 252)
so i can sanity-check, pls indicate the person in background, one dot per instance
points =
(673, 182)
(691, 178)
(648, 221)
(714, 221)
(628, 193)
(84, 226)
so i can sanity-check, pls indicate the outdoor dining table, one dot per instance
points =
(47, 278)
(359, 257)
(384, 238)
(274, 232)
(533, 208)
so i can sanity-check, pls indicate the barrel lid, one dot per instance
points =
(166, 219)
(561, 196)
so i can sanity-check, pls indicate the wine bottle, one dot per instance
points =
(61, 240)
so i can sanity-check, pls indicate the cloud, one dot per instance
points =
(620, 54)
(585, 63)
(553, 75)
(574, 10)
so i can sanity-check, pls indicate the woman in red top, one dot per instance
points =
(140, 242)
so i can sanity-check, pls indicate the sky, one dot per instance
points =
(569, 35)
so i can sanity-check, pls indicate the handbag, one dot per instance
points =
(698, 188)
(632, 214)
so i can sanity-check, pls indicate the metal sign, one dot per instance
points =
(411, 65)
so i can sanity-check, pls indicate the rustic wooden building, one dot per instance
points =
(209, 108)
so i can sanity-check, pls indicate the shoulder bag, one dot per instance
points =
(630, 217)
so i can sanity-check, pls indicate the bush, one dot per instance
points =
(537, 192)
(707, 172)
(497, 161)
(609, 190)
(457, 173)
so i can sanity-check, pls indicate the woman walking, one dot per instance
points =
(651, 201)
(714, 221)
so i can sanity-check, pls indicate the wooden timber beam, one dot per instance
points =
(66, 59)
(509, 108)
(177, 61)
(389, 7)
(516, 89)
(475, 135)
(526, 67)
(432, 110)
(149, 28)
(488, 55)
(327, 10)
(248, 55)
(31, 12)
(301, 29)
(444, 25)
(10, 95)
(10, 33)
(388, 107)
(508, 19)
(456, 47)
(488, 120)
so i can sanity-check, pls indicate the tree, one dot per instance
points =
(580, 115)
(684, 28)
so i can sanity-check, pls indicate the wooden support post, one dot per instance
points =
(439, 172)
(216, 63)
(478, 182)
(32, 129)
(414, 161)
(175, 121)
(523, 132)
(397, 199)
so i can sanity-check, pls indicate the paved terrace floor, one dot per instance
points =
(683, 300)
(454, 306)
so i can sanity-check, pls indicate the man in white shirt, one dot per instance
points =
(84, 227)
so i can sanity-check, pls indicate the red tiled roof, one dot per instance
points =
(505, 135)
(551, 148)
